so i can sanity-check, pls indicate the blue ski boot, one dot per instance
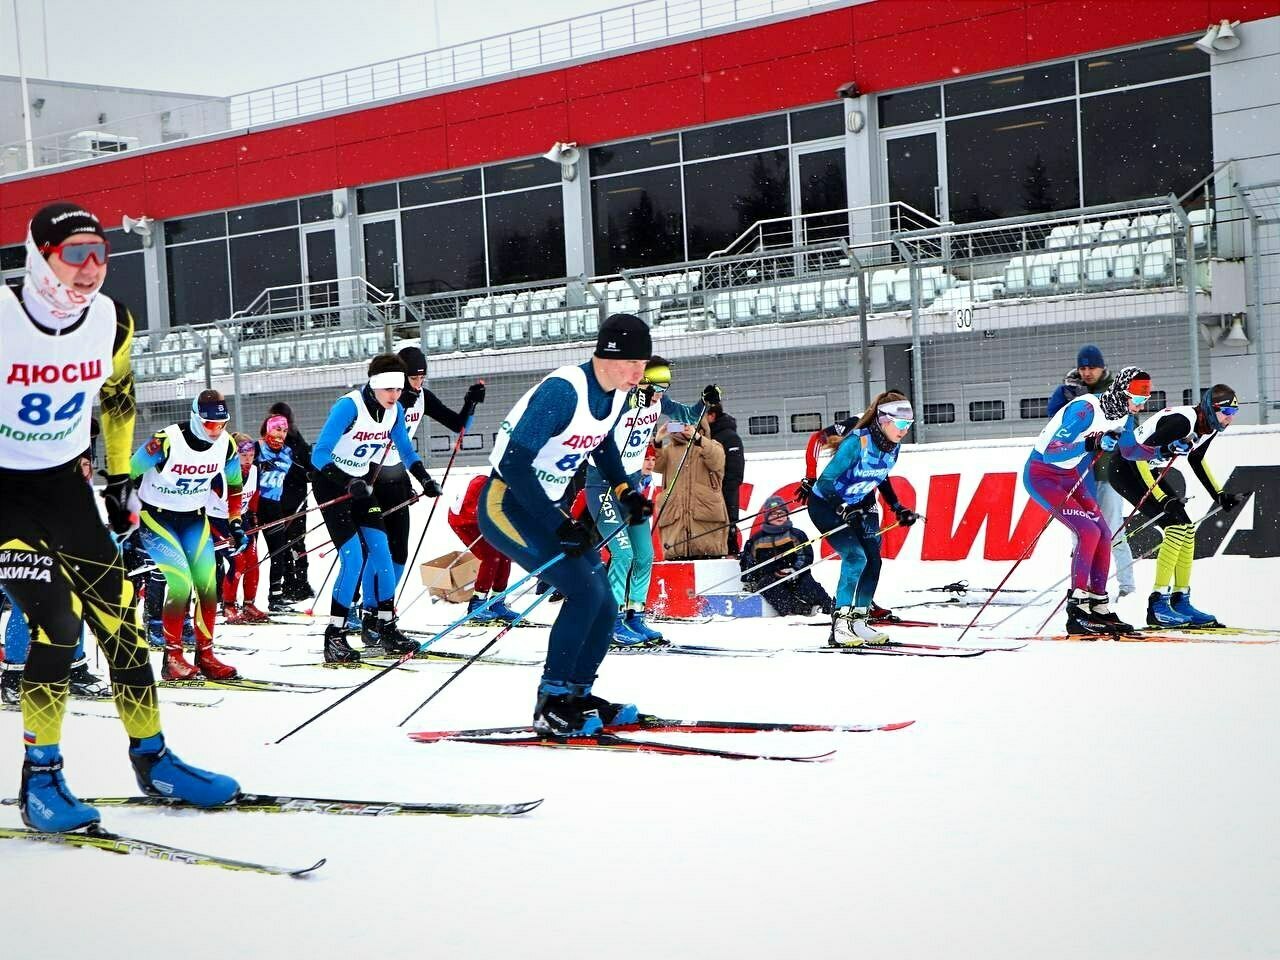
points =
(485, 616)
(161, 773)
(44, 800)
(1181, 604)
(611, 714)
(638, 624)
(155, 633)
(560, 714)
(625, 636)
(355, 619)
(1160, 613)
(499, 612)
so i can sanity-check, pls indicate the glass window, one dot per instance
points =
(983, 411)
(912, 106)
(534, 172)
(761, 426)
(806, 422)
(1033, 408)
(911, 164)
(444, 248)
(839, 415)
(448, 186)
(316, 209)
(817, 124)
(372, 199)
(199, 289)
(1188, 398)
(1011, 163)
(1156, 402)
(473, 441)
(444, 444)
(121, 242)
(1106, 71)
(13, 258)
(637, 220)
(635, 154)
(268, 216)
(734, 137)
(1009, 89)
(939, 413)
(1146, 143)
(263, 260)
(127, 284)
(204, 227)
(724, 197)
(526, 236)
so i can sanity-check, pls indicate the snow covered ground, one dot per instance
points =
(1067, 800)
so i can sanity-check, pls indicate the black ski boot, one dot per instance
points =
(560, 715)
(370, 629)
(276, 602)
(85, 684)
(1100, 607)
(1080, 618)
(11, 683)
(336, 648)
(394, 642)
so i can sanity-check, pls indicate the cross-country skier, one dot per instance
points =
(844, 495)
(347, 457)
(241, 567)
(1059, 478)
(174, 471)
(391, 485)
(495, 567)
(62, 342)
(1172, 432)
(631, 551)
(569, 416)
(284, 460)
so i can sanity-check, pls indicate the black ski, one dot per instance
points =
(273, 803)
(899, 650)
(609, 741)
(95, 836)
(649, 723)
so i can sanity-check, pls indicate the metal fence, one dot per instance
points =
(1261, 205)
(978, 323)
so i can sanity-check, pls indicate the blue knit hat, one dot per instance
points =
(1090, 356)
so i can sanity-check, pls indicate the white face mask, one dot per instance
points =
(51, 302)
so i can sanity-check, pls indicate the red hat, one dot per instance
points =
(651, 452)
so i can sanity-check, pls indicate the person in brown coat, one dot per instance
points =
(695, 522)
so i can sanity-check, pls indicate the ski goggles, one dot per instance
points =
(1137, 399)
(1138, 391)
(78, 254)
(900, 423)
(1228, 409)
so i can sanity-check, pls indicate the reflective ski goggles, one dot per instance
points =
(655, 387)
(1138, 399)
(1228, 409)
(900, 423)
(78, 254)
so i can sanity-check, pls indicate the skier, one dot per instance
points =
(283, 459)
(1058, 476)
(243, 566)
(62, 341)
(569, 416)
(828, 440)
(174, 471)
(631, 551)
(1172, 432)
(362, 423)
(778, 537)
(495, 567)
(391, 482)
(1090, 375)
(845, 494)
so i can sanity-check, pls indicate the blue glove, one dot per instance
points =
(239, 540)
(1178, 448)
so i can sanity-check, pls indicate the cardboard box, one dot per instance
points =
(451, 576)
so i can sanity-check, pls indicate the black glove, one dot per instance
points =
(1172, 505)
(239, 540)
(1105, 442)
(710, 394)
(1229, 501)
(429, 487)
(637, 505)
(475, 395)
(575, 539)
(122, 503)
(805, 490)
(359, 489)
(906, 516)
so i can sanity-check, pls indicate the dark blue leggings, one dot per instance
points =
(859, 547)
(581, 634)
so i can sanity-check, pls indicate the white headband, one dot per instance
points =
(896, 410)
(392, 379)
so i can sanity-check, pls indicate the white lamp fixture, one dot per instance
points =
(1219, 37)
(140, 225)
(567, 155)
(1236, 335)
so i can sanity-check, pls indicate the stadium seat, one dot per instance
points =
(1126, 264)
(448, 337)
(1201, 223)
(1070, 265)
(466, 333)
(1157, 262)
(555, 325)
(765, 306)
(1016, 275)
(1142, 227)
(1063, 235)
(1040, 272)
(1097, 266)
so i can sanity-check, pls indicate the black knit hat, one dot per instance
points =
(415, 361)
(624, 336)
(57, 221)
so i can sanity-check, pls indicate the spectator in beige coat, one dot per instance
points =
(695, 522)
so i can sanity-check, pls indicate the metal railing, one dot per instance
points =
(609, 31)
(873, 223)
